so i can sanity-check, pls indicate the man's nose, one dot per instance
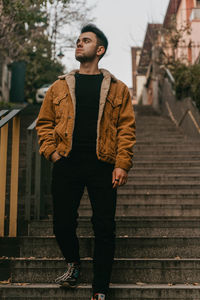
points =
(79, 44)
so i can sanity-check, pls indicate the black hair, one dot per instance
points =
(101, 38)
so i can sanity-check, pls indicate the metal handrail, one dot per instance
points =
(3, 112)
(169, 75)
(187, 111)
(32, 126)
(9, 117)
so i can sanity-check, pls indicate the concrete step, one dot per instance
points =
(169, 164)
(171, 178)
(156, 210)
(166, 147)
(159, 135)
(129, 226)
(126, 247)
(170, 153)
(153, 180)
(166, 144)
(163, 158)
(155, 120)
(161, 139)
(146, 201)
(141, 186)
(152, 129)
(127, 271)
(161, 170)
(162, 192)
(140, 291)
(163, 127)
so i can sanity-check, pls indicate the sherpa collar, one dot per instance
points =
(105, 73)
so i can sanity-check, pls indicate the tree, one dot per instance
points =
(33, 31)
(40, 69)
(22, 24)
(187, 82)
(172, 41)
(65, 19)
(186, 75)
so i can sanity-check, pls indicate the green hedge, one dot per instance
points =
(187, 82)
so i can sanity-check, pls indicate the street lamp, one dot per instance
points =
(60, 54)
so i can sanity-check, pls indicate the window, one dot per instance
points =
(190, 53)
(198, 3)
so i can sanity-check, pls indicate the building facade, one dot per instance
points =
(187, 17)
(182, 24)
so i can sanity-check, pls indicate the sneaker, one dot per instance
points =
(70, 277)
(99, 297)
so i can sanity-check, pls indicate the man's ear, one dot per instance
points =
(100, 50)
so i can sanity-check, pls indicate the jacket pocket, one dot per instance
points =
(113, 107)
(57, 100)
(114, 101)
(60, 105)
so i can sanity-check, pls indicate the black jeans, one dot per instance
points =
(70, 176)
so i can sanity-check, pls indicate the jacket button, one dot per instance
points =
(62, 153)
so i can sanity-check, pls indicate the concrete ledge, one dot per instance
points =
(83, 292)
(126, 270)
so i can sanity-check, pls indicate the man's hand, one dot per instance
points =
(119, 177)
(55, 156)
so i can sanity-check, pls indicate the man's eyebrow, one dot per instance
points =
(84, 38)
(87, 38)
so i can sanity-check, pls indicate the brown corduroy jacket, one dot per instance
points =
(115, 125)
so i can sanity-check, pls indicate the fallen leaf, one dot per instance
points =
(177, 257)
(21, 283)
(140, 283)
(195, 283)
(5, 281)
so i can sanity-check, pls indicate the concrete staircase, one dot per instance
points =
(158, 228)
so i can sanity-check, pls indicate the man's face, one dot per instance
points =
(86, 47)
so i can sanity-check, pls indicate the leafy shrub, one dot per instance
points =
(187, 82)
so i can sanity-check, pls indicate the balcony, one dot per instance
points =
(195, 14)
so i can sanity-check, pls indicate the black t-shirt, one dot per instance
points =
(87, 91)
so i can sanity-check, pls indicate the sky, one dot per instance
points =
(124, 22)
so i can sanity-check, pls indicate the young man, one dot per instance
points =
(86, 127)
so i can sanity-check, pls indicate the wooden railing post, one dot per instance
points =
(3, 167)
(14, 177)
